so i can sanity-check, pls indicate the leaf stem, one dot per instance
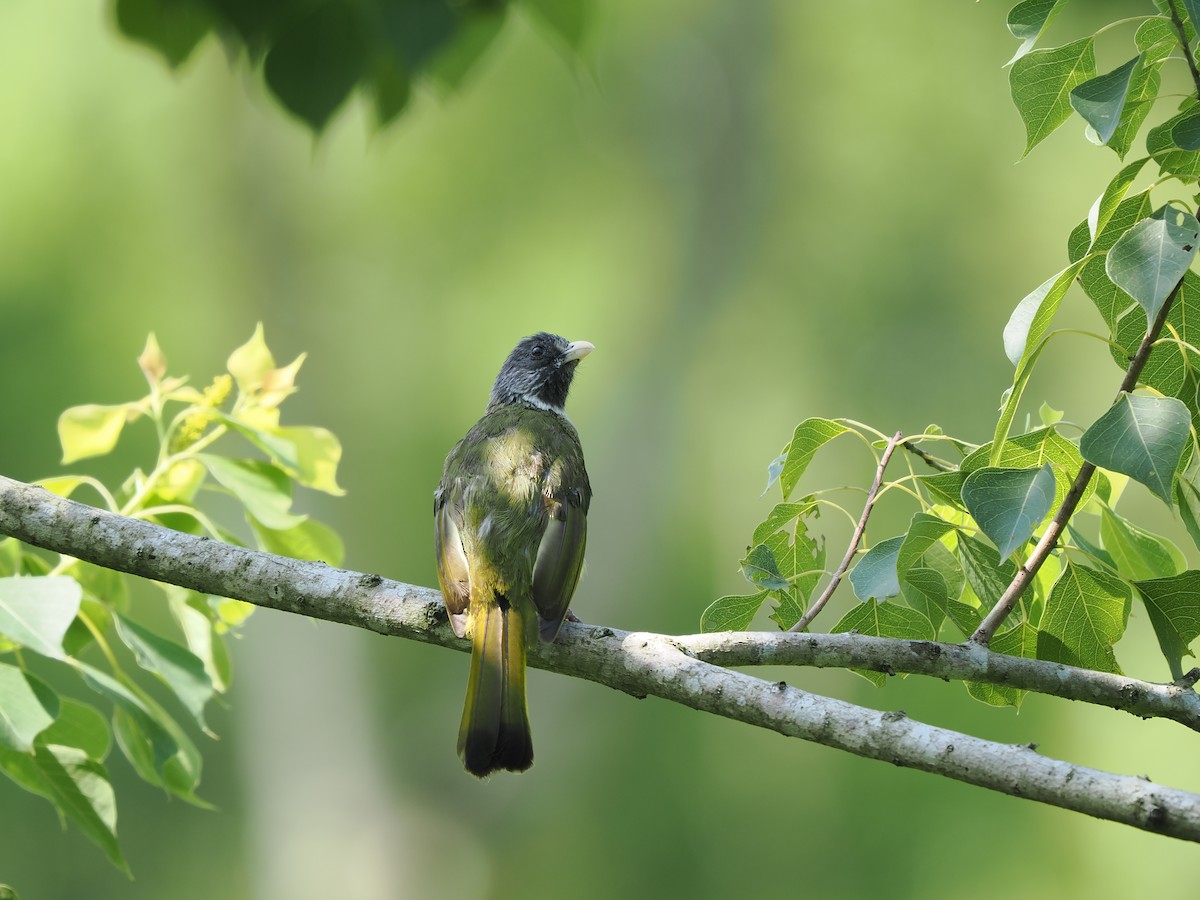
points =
(855, 539)
(983, 634)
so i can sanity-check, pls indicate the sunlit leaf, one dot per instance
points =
(809, 436)
(180, 669)
(760, 569)
(1173, 605)
(308, 540)
(732, 613)
(263, 488)
(1084, 616)
(92, 430)
(27, 708)
(986, 575)
(250, 363)
(1028, 19)
(1041, 84)
(1138, 554)
(1031, 318)
(1018, 641)
(1100, 100)
(82, 791)
(1150, 259)
(884, 620)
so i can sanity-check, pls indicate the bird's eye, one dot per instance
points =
(538, 351)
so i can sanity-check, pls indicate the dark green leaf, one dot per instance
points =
(1142, 437)
(1041, 84)
(568, 20)
(986, 575)
(780, 515)
(733, 613)
(875, 575)
(1160, 143)
(1009, 504)
(1084, 616)
(761, 570)
(809, 436)
(924, 531)
(417, 29)
(82, 726)
(1173, 605)
(1034, 449)
(172, 27)
(1186, 132)
(478, 28)
(801, 561)
(316, 61)
(925, 590)
(1150, 259)
(391, 89)
(82, 791)
(1100, 100)
(180, 669)
(36, 612)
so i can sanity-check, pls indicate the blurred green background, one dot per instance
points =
(758, 212)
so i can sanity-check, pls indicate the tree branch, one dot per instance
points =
(855, 539)
(1183, 42)
(1049, 540)
(641, 664)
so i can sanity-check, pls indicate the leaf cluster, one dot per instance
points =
(1043, 500)
(313, 54)
(86, 660)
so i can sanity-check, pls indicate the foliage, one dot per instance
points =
(86, 659)
(982, 512)
(314, 53)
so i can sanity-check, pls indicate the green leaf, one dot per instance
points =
(7, 893)
(180, 669)
(987, 576)
(567, 20)
(308, 540)
(27, 708)
(924, 530)
(760, 569)
(1138, 554)
(732, 613)
(1028, 19)
(36, 611)
(250, 363)
(884, 620)
(415, 30)
(1009, 504)
(1110, 201)
(197, 621)
(809, 436)
(1155, 41)
(92, 430)
(925, 590)
(317, 453)
(1084, 616)
(1100, 100)
(80, 725)
(1173, 605)
(1187, 500)
(1171, 159)
(82, 790)
(1186, 132)
(1019, 641)
(1041, 84)
(1031, 318)
(1142, 437)
(391, 87)
(478, 28)
(943, 561)
(780, 515)
(316, 61)
(24, 771)
(263, 488)
(875, 575)
(1150, 259)
(172, 27)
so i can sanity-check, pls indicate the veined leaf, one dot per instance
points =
(1031, 318)
(1019, 641)
(809, 436)
(1084, 616)
(1009, 504)
(1173, 605)
(733, 613)
(1041, 84)
(987, 576)
(924, 531)
(92, 429)
(1142, 437)
(263, 489)
(761, 570)
(82, 791)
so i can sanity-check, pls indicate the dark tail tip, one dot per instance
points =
(511, 752)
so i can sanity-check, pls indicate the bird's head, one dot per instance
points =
(539, 371)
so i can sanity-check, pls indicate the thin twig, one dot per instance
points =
(1177, 21)
(1049, 540)
(932, 461)
(855, 539)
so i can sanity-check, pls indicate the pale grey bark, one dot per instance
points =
(687, 670)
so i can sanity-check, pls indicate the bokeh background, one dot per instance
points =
(758, 211)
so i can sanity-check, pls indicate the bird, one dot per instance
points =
(510, 529)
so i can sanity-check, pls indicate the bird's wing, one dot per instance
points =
(559, 560)
(454, 576)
